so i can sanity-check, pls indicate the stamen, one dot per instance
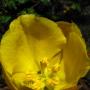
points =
(52, 82)
(32, 82)
(43, 64)
(37, 85)
(56, 68)
(29, 79)
(46, 76)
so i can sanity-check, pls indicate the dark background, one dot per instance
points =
(77, 11)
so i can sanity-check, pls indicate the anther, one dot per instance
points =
(56, 68)
(52, 82)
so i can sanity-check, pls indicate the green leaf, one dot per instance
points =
(76, 6)
(22, 1)
(28, 10)
(10, 4)
(4, 19)
(45, 1)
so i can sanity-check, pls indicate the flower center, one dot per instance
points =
(45, 78)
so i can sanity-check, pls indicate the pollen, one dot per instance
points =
(29, 77)
(56, 68)
(29, 81)
(52, 82)
(33, 82)
(37, 85)
(44, 63)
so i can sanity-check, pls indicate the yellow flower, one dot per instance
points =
(39, 54)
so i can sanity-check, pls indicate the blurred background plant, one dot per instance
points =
(77, 11)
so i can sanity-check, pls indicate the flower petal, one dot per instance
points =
(69, 27)
(30, 39)
(75, 58)
(47, 36)
(15, 53)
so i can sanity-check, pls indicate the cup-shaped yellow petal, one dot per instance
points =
(39, 54)
(75, 58)
(26, 43)
(67, 28)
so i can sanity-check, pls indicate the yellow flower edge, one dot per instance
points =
(39, 54)
(76, 62)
